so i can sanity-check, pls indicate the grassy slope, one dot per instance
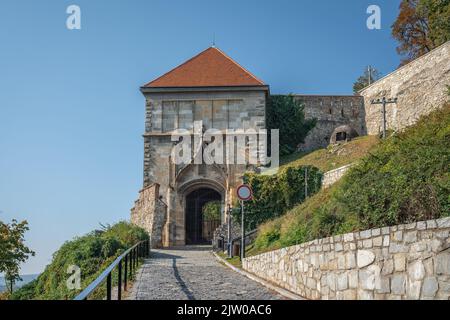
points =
(333, 157)
(405, 178)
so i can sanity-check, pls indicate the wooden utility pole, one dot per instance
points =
(306, 182)
(384, 102)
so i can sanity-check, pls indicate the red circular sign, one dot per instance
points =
(244, 192)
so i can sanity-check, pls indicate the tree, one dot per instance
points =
(287, 114)
(438, 17)
(421, 26)
(13, 250)
(369, 76)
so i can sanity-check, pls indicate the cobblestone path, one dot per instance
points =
(193, 273)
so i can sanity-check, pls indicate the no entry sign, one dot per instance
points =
(244, 192)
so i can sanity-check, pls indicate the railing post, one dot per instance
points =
(135, 258)
(108, 287)
(130, 255)
(125, 276)
(119, 280)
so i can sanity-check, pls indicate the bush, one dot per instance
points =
(92, 253)
(405, 179)
(275, 195)
(212, 210)
(287, 114)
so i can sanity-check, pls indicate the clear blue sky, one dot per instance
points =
(71, 114)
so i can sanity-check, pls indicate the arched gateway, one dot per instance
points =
(198, 228)
(213, 89)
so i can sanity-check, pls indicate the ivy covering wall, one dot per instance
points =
(275, 195)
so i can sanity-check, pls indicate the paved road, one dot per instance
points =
(193, 273)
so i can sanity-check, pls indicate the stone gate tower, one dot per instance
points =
(214, 89)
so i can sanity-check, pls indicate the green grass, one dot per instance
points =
(235, 261)
(403, 179)
(334, 156)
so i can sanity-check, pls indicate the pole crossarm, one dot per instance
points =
(383, 101)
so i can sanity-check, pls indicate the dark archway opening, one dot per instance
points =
(199, 230)
(341, 136)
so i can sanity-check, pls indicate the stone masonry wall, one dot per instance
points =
(150, 213)
(241, 109)
(401, 262)
(420, 87)
(335, 175)
(331, 112)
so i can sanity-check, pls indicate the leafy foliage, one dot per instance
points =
(366, 78)
(274, 195)
(212, 210)
(287, 114)
(421, 26)
(405, 178)
(13, 250)
(92, 253)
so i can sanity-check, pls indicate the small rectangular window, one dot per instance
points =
(169, 116)
(203, 112)
(220, 114)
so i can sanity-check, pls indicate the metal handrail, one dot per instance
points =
(231, 244)
(133, 254)
(248, 234)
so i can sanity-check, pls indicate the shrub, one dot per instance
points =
(92, 253)
(212, 210)
(275, 195)
(287, 114)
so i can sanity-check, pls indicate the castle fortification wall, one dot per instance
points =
(420, 87)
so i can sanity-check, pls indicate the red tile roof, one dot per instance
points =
(210, 68)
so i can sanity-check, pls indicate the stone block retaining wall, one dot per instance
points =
(401, 262)
(335, 175)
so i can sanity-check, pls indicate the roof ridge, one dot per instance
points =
(244, 69)
(209, 52)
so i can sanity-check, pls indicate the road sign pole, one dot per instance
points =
(230, 253)
(242, 232)
(244, 193)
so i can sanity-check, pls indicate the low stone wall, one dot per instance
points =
(420, 87)
(400, 262)
(150, 213)
(334, 176)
